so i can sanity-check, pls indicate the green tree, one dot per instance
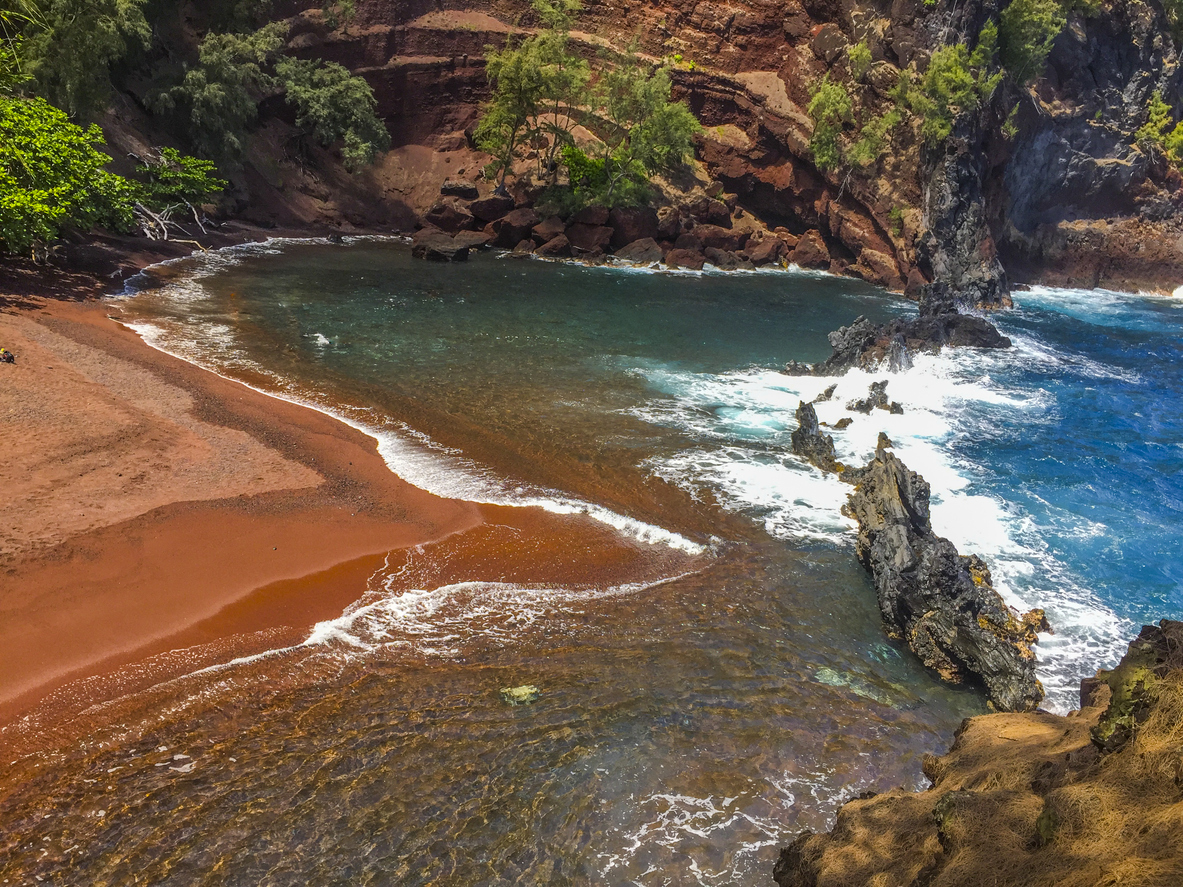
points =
(1029, 28)
(73, 44)
(538, 86)
(220, 96)
(52, 176)
(641, 130)
(331, 104)
(830, 108)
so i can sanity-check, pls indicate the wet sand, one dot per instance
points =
(162, 519)
(144, 496)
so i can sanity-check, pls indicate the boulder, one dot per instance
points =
(437, 246)
(811, 251)
(590, 239)
(669, 223)
(461, 189)
(548, 229)
(942, 604)
(719, 238)
(523, 248)
(684, 258)
(473, 239)
(643, 252)
(596, 216)
(449, 215)
(724, 260)
(769, 251)
(632, 223)
(688, 240)
(491, 208)
(555, 248)
(514, 227)
(809, 443)
(709, 211)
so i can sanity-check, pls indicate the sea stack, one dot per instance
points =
(943, 604)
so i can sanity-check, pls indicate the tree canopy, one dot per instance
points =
(542, 90)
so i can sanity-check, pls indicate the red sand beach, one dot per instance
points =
(152, 507)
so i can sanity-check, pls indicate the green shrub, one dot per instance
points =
(1010, 126)
(1029, 28)
(1160, 132)
(52, 176)
(873, 137)
(858, 57)
(956, 80)
(171, 178)
(829, 109)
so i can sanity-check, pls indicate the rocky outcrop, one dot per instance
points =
(809, 443)
(865, 344)
(1030, 800)
(942, 604)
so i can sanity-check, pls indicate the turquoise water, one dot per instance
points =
(689, 725)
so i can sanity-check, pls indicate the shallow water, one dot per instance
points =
(686, 727)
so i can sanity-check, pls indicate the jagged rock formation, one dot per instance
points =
(942, 604)
(865, 344)
(1031, 800)
(809, 443)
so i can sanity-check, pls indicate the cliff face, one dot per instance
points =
(1093, 798)
(1069, 199)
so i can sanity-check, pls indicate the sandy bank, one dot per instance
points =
(145, 496)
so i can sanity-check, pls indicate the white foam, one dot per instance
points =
(437, 469)
(747, 417)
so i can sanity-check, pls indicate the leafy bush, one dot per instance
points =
(171, 178)
(52, 176)
(873, 137)
(332, 104)
(829, 109)
(956, 80)
(858, 57)
(1160, 132)
(1029, 28)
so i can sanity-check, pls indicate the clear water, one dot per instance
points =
(688, 724)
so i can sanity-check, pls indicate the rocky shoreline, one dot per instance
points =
(1091, 798)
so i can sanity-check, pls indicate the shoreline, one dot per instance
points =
(249, 492)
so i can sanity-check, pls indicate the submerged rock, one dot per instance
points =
(810, 444)
(523, 695)
(944, 605)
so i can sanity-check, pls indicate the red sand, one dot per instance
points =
(143, 496)
(161, 519)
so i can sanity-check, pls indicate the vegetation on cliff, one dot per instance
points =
(543, 90)
(57, 62)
